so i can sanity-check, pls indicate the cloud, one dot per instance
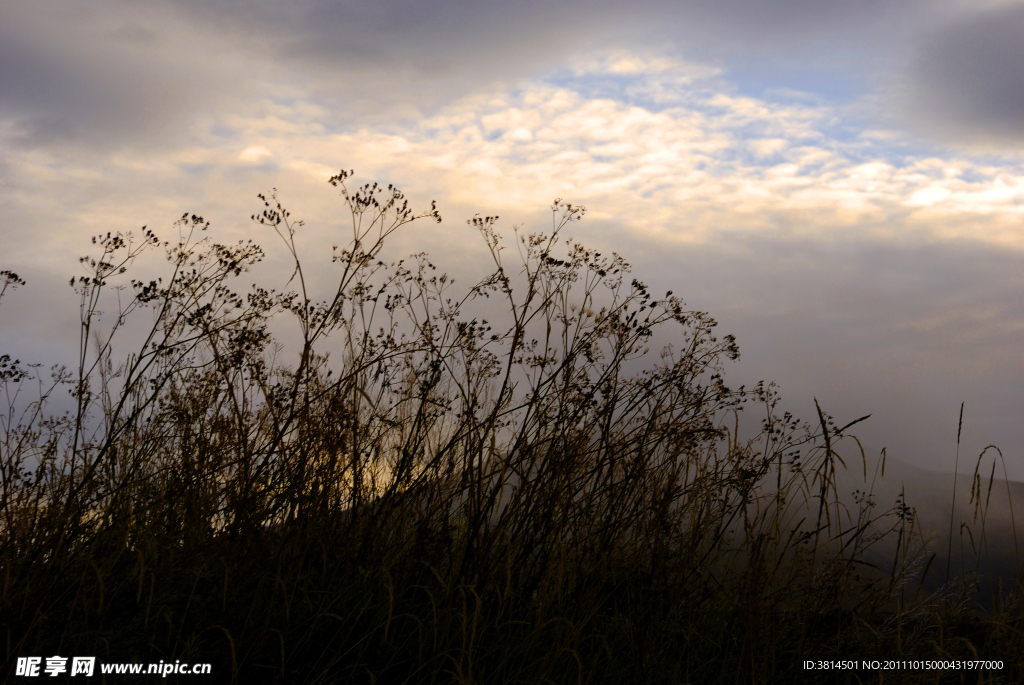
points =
(255, 154)
(100, 76)
(967, 80)
(662, 144)
(903, 329)
(396, 30)
(110, 74)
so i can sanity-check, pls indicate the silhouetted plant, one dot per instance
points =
(439, 487)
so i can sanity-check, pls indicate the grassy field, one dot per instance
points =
(415, 494)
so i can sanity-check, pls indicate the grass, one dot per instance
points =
(416, 494)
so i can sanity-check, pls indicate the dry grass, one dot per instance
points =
(419, 495)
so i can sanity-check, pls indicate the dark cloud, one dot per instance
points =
(967, 80)
(903, 330)
(457, 28)
(42, 131)
(438, 49)
(92, 75)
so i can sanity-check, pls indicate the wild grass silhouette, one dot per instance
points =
(416, 494)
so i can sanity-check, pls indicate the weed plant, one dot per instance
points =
(414, 494)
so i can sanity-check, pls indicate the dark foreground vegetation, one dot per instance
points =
(434, 486)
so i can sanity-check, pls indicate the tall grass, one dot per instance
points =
(501, 484)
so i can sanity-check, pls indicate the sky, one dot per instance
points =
(839, 183)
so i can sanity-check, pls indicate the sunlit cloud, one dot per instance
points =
(660, 146)
(255, 154)
(669, 149)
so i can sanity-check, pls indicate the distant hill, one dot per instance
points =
(930, 493)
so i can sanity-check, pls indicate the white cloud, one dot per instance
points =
(712, 162)
(255, 154)
(697, 163)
